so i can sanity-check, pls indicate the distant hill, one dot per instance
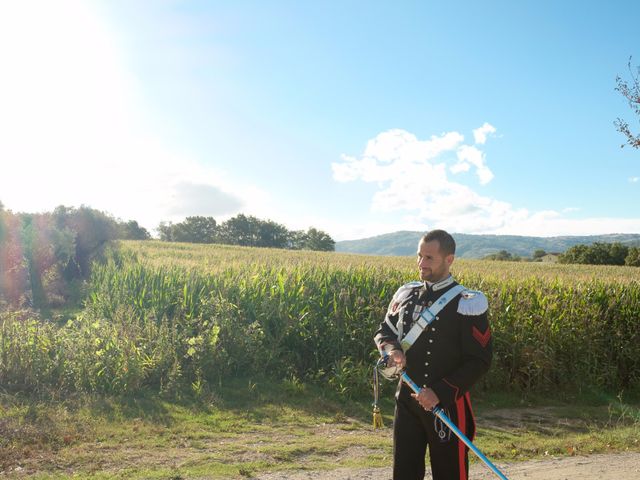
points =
(478, 246)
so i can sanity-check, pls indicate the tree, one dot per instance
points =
(92, 229)
(272, 234)
(132, 231)
(14, 274)
(2, 227)
(575, 254)
(319, 240)
(617, 253)
(247, 231)
(538, 254)
(240, 230)
(165, 229)
(596, 254)
(502, 255)
(44, 256)
(633, 257)
(196, 229)
(631, 91)
(296, 240)
(38, 255)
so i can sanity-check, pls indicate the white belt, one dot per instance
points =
(427, 316)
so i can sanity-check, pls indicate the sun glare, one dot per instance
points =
(64, 94)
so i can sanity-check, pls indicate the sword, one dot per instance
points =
(438, 412)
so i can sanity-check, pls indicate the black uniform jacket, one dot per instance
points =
(453, 352)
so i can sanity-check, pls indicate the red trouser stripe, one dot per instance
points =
(468, 397)
(462, 425)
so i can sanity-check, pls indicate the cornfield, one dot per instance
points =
(180, 318)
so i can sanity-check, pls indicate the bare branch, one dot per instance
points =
(631, 91)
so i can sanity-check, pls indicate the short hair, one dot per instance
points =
(445, 240)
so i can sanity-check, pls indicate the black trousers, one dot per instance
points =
(415, 429)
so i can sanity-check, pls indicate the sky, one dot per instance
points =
(355, 117)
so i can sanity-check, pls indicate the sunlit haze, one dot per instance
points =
(358, 119)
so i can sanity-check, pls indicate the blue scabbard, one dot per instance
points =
(438, 412)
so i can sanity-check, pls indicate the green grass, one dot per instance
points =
(251, 426)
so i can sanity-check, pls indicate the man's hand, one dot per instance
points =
(427, 398)
(397, 358)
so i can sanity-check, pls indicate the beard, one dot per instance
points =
(434, 274)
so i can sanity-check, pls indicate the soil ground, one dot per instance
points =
(623, 466)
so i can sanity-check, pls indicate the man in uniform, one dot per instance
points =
(446, 359)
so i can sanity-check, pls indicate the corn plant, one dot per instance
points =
(176, 318)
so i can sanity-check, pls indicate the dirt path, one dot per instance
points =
(624, 466)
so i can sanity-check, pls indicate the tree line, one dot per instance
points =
(601, 253)
(598, 253)
(506, 256)
(44, 257)
(246, 231)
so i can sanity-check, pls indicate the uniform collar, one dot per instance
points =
(441, 284)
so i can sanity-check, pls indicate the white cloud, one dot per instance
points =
(401, 146)
(412, 175)
(460, 167)
(471, 155)
(367, 169)
(73, 130)
(480, 134)
(393, 152)
(415, 188)
(634, 179)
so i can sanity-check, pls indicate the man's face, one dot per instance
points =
(433, 265)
